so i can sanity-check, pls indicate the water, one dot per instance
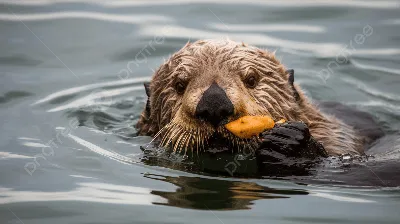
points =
(71, 76)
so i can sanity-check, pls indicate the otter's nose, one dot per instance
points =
(214, 106)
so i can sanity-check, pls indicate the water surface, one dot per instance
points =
(71, 75)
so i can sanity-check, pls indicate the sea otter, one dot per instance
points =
(209, 83)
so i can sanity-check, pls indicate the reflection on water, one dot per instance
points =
(89, 192)
(215, 194)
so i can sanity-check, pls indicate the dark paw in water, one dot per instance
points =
(290, 139)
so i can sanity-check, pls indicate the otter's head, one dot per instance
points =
(209, 83)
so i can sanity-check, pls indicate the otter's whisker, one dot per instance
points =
(241, 148)
(247, 143)
(233, 140)
(200, 140)
(197, 139)
(189, 135)
(160, 131)
(193, 142)
(238, 144)
(155, 136)
(205, 141)
(166, 136)
(169, 137)
(177, 142)
(188, 141)
(182, 140)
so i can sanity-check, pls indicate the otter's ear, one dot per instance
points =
(291, 83)
(147, 88)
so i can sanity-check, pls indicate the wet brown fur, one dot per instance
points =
(228, 63)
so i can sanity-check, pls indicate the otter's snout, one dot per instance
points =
(214, 106)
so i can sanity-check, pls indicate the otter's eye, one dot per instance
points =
(180, 87)
(251, 81)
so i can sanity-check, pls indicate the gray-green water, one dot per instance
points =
(71, 76)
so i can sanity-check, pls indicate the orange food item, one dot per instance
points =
(249, 126)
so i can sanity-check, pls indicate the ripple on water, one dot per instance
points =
(107, 106)
(19, 60)
(375, 68)
(131, 19)
(370, 91)
(290, 3)
(330, 50)
(85, 88)
(269, 27)
(13, 95)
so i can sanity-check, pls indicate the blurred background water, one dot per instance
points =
(71, 74)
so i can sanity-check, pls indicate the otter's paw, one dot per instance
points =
(292, 139)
